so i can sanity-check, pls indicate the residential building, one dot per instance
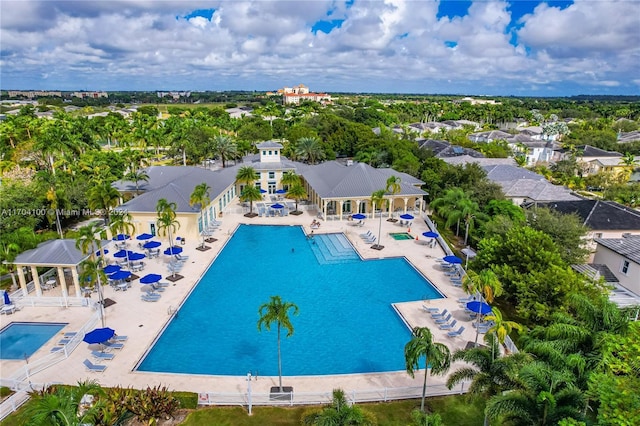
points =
(622, 257)
(31, 94)
(604, 219)
(629, 137)
(296, 94)
(592, 160)
(174, 95)
(90, 95)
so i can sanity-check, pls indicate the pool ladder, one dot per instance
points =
(172, 311)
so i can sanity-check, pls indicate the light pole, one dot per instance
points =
(249, 400)
(466, 233)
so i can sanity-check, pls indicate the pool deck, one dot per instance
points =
(142, 321)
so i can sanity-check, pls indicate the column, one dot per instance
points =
(62, 281)
(406, 201)
(36, 280)
(340, 207)
(76, 281)
(22, 280)
(324, 210)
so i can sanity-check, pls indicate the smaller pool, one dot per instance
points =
(19, 340)
(401, 236)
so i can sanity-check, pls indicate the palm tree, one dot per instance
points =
(377, 198)
(137, 176)
(393, 186)
(121, 223)
(102, 196)
(501, 327)
(200, 196)
(8, 254)
(87, 242)
(250, 193)
(296, 192)
(224, 147)
(437, 356)
(485, 282)
(277, 311)
(489, 375)
(167, 222)
(54, 194)
(448, 206)
(247, 175)
(339, 412)
(59, 405)
(309, 150)
(542, 396)
(290, 179)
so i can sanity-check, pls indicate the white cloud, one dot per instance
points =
(392, 45)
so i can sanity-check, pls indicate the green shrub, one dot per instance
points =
(152, 403)
(5, 391)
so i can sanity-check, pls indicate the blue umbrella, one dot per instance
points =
(430, 234)
(263, 191)
(121, 237)
(121, 253)
(120, 275)
(277, 206)
(99, 335)
(281, 191)
(478, 307)
(7, 300)
(110, 269)
(452, 259)
(144, 237)
(152, 244)
(173, 250)
(136, 256)
(359, 216)
(406, 216)
(150, 279)
(99, 253)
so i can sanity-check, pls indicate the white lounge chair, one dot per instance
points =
(439, 314)
(102, 355)
(366, 235)
(449, 325)
(456, 333)
(443, 320)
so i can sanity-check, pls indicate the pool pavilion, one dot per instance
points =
(59, 255)
(335, 189)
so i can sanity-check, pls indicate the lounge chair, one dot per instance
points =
(119, 338)
(449, 325)
(430, 310)
(443, 320)
(64, 341)
(70, 334)
(182, 257)
(370, 240)
(116, 345)
(102, 355)
(366, 234)
(456, 333)
(150, 298)
(94, 367)
(440, 314)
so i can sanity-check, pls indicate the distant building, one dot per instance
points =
(474, 101)
(622, 257)
(174, 95)
(294, 95)
(31, 94)
(90, 95)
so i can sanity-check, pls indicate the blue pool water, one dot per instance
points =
(346, 322)
(20, 340)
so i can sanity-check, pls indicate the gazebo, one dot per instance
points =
(59, 254)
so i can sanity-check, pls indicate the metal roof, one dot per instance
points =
(54, 253)
(628, 247)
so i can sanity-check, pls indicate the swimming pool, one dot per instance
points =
(346, 322)
(19, 340)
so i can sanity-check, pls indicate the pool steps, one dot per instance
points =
(332, 248)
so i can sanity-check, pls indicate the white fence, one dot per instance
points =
(315, 398)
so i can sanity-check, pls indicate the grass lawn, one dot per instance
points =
(457, 410)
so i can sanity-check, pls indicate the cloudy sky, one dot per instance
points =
(401, 46)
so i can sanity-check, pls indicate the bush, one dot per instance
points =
(5, 391)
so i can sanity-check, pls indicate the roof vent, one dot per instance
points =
(349, 162)
(626, 235)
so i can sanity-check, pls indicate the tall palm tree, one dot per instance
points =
(489, 375)
(377, 199)
(393, 186)
(137, 176)
(224, 147)
(200, 196)
(247, 175)
(121, 223)
(87, 242)
(297, 193)
(437, 356)
(167, 222)
(54, 194)
(501, 327)
(104, 197)
(250, 193)
(290, 179)
(277, 311)
(453, 206)
(8, 253)
(485, 282)
(309, 150)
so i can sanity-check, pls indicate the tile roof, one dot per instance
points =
(481, 161)
(629, 247)
(600, 215)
